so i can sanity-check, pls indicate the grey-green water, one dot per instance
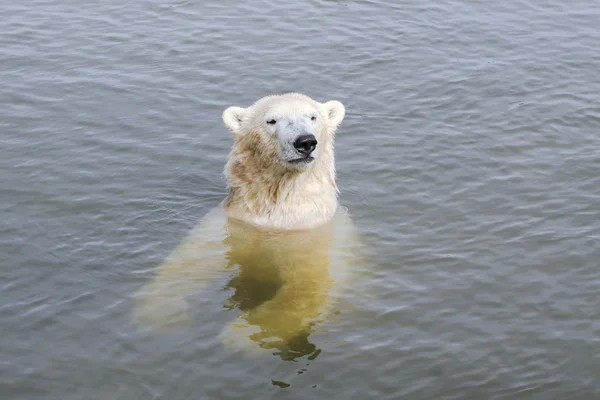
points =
(469, 158)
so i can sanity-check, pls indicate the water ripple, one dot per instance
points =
(468, 158)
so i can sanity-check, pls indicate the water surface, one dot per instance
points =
(469, 159)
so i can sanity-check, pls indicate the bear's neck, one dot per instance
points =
(282, 199)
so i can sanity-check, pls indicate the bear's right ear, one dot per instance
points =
(335, 112)
(233, 117)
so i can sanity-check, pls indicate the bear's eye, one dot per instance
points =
(313, 118)
(271, 122)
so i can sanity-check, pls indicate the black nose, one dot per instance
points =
(305, 144)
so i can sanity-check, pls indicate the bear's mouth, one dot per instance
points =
(302, 160)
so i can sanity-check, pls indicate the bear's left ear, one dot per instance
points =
(233, 117)
(335, 111)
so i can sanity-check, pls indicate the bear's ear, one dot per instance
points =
(335, 111)
(233, 117)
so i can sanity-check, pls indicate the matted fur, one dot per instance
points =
(265, 191)
(303, 271)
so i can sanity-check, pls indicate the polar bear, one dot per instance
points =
(280, 233)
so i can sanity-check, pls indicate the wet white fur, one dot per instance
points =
(307, 193)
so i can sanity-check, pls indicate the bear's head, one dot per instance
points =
(288, 132)
(281, 171)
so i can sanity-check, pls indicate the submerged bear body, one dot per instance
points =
(280, 234)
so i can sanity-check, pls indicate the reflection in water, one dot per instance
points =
(280, 384)
(283, 283)
(249, 295)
